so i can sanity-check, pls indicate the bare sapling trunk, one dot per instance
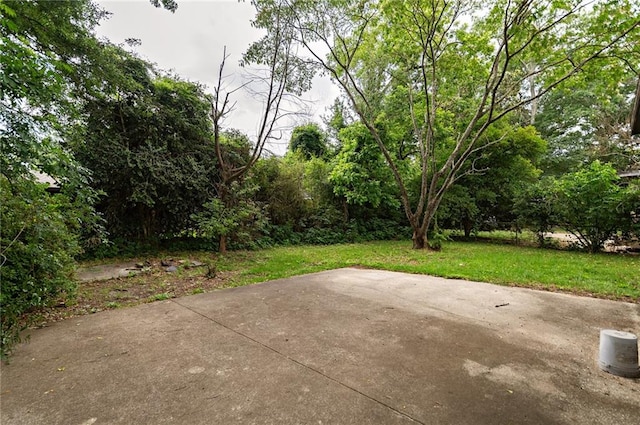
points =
(277, 78)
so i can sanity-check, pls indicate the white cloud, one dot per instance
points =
(190, 42)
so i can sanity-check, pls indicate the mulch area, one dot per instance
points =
(152, 282)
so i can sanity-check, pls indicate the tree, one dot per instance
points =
(281, 189)
(148, 146)
(536, 206)
(237, 212)
(335, 120)
(415, 48)
(46, 52)
(279, 77)
(52, 65)
(502, 170)
(309, 140)
(588, 119)
(359, 171)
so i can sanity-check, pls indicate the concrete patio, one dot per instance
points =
(346, 346)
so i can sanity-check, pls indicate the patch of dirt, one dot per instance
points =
(614, 245)
(107, 287)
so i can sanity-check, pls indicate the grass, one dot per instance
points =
(601, 275)
(610, 276)
(160, 297)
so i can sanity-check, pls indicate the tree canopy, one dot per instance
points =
(308, 139)
(53, 69)
(47, 54)
(148, 144)
(454, 68)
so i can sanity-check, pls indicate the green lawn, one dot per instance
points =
(602, 275)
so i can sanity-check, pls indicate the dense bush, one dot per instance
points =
(304, 204)
(241, 221)
(590, 203)
(593, 206)
(37, 246)
(484, 199)
(148, 146)
(536, 208)
(353, 231)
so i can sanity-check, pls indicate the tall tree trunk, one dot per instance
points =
(223, 196)
(345, 211)
(467, 223)
(420, 227)
(222, 247)
(145, 220)
(419, 239)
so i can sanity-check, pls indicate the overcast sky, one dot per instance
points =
(190, 42)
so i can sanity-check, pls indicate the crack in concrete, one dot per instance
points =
(299, 363)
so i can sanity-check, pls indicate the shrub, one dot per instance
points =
(536, 206)
(589, 203)
(593, 206)
(37, 246)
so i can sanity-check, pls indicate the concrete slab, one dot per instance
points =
(347, 347)
(107, 271)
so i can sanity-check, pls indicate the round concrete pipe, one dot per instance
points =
(619, 353)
